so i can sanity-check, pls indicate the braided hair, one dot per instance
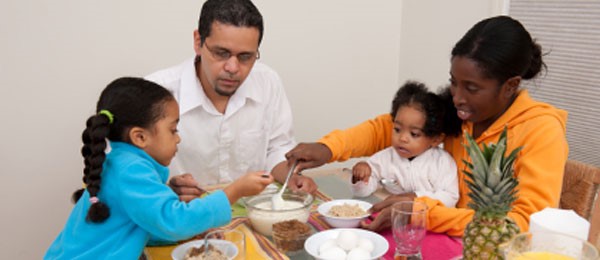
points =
(125, 103)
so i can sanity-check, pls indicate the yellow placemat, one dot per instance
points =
(257, 245)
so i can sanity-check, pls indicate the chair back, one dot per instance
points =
(581, 192)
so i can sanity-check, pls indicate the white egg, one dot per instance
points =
(358, 253)
(333, 253)
(347, 239)
(326, 245)
(366, 244)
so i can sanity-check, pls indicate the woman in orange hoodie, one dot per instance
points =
(487, 66)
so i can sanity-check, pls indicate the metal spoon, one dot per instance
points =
(388, 182)
(277, 199)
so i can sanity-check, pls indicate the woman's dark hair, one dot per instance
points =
(439, 118)
(240, 13)
(502, 48)
(124, 103)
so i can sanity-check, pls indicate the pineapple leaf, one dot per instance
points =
(508, 161)
(488, 151)
(494, 171)
(475, 153)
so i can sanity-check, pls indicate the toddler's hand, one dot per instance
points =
(361, 172)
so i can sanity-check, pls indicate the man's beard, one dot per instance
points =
(223, 93)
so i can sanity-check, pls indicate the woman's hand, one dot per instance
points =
(308, 155)
(186, 187)
(384, 218)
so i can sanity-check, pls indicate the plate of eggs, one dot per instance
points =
(346, 243)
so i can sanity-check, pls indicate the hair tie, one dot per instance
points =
(108, 114)
(94, 199)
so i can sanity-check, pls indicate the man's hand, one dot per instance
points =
(303, 183)
(186, 187)
(296, 182)
(308, 155)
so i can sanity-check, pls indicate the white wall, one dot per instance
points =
(341, 62)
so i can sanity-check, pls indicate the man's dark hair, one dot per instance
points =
(240, 13)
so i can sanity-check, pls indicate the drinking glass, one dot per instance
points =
(408, 226)
(547, 245)
(236, 237)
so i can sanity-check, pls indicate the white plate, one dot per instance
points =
(343, 222)
(311, 245)
(228, 248)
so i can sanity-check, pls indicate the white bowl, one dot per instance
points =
(262, 216)
(226, 247)
(343, 222)
(313, 243)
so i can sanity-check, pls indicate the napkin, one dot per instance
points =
(559, 221)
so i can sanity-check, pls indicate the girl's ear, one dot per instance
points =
(437, 140)
(138, 136)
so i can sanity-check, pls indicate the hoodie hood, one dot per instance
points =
(522, 109)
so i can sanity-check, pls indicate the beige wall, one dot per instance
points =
(341, 61)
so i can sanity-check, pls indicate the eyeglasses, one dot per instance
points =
(221, 54)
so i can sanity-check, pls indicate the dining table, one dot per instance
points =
(333, 183)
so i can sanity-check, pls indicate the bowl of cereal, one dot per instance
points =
(195, 249)
(262, 215)
(344, 213)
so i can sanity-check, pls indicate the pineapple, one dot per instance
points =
(492, 192)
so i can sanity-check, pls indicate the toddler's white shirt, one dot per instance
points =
(433, 174)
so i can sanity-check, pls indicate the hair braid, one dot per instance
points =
(94, 145)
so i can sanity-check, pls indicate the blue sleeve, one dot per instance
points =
(153, 206)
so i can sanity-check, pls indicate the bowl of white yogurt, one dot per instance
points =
(262, 215)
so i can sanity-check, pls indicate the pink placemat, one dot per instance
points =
(435, 246)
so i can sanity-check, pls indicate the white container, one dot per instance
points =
(559, 221)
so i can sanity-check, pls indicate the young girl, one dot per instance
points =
(126, 201)
(414, 161)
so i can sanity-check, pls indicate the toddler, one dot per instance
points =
(126, 202)
(414, 161)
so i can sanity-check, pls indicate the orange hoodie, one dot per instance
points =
(538, 127)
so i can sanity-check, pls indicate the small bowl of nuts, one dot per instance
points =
(346, 213)
(289, 236)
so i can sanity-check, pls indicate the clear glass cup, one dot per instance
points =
(409, 228)
(236, 237)
(547, 245)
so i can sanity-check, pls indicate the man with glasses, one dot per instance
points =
(234, 114)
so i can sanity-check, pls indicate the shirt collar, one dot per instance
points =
(191, 95)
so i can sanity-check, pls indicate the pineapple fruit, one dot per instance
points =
(492, 191)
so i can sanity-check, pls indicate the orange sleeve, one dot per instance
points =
(361, 140)
(442, 219)
(539, 166)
